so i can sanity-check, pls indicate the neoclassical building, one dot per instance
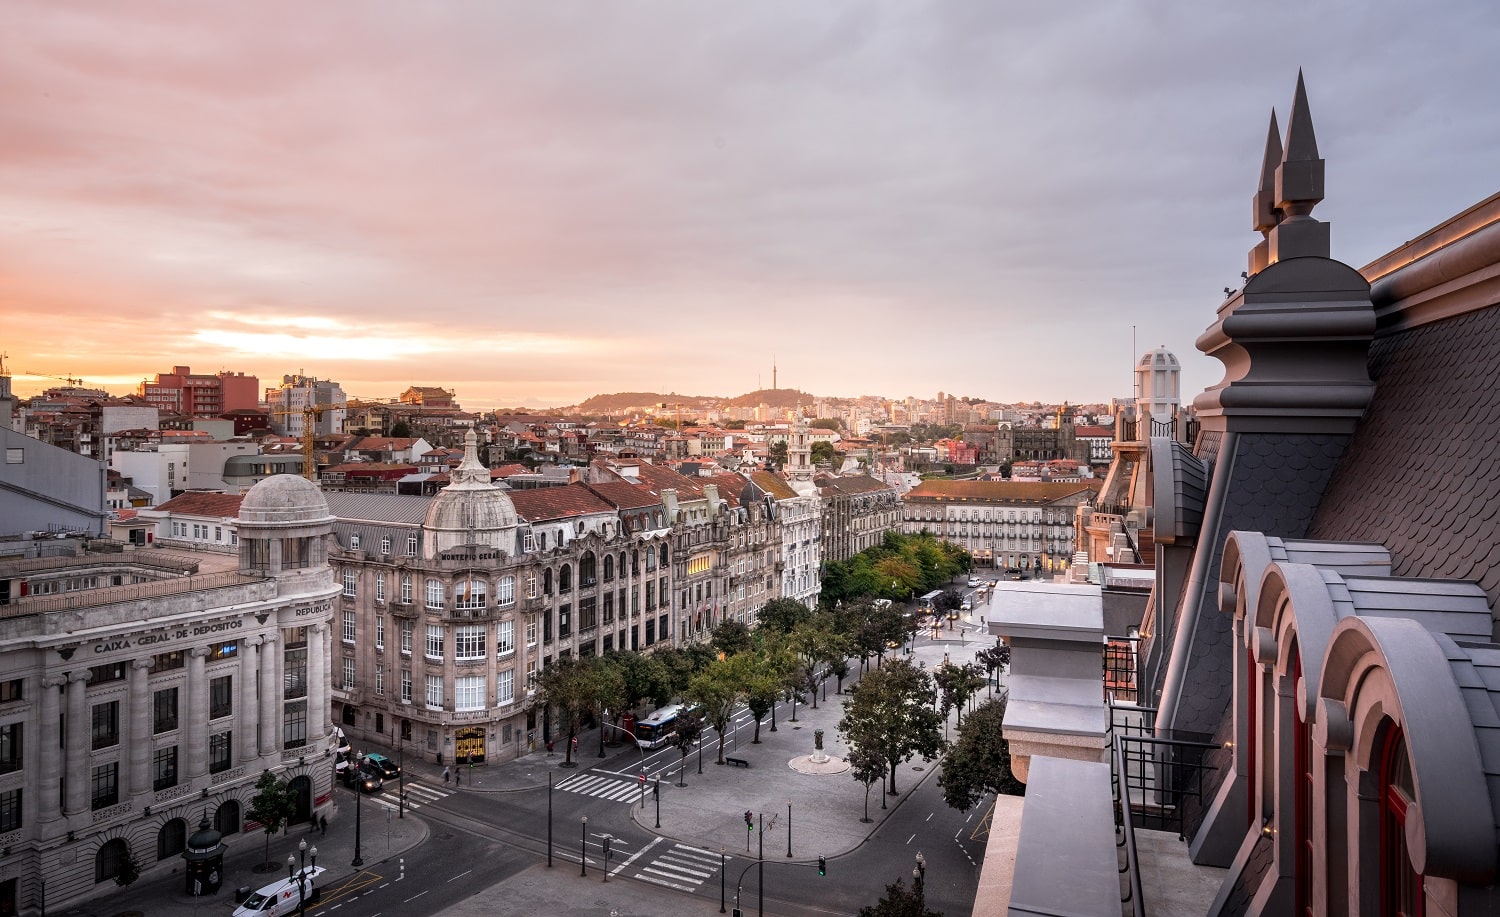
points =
(450, 605)
(178, 682)
(1005, 524)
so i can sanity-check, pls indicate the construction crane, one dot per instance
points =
(71, 380)
(310, 413)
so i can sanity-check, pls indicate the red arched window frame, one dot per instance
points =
(1252, 745)
(1302, 764)
(1400, 883)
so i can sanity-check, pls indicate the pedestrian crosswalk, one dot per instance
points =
(611, 788)
(680, 866)
(417, 795)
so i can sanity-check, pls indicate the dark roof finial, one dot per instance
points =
(1299, 178)
(1266, 214)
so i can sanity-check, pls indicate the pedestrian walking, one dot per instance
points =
(458, 775)
(445, 775)
(323, 824)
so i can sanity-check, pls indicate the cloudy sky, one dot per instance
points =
(533, 202)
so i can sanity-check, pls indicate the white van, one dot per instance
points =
(281, 897)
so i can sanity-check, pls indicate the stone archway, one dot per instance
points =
(300, 789)
(227, 818)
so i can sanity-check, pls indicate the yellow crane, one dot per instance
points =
(310, 413)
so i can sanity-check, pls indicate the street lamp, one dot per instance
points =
(400, 774)
(359, 795)
(919, 875)
(583, 849)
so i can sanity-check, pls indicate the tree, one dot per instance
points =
(717, 690)
(892, 712)
(731, 637)
(783, 615)
(994, 659)
(899, 902)
(689, 728)
(979, 760)
(762, 686)
(567, 684)
(815, 644)
(607, 685)
(827, 423)
(867, 766)
(272, 805)
(400, 430)
(956, 684)
(645, 677)
(822, 453)
(130, 870)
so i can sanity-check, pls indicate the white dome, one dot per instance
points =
(284, 498)
(1160, 358)
(471, 509)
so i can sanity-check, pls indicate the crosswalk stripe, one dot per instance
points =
(681, 888)
(666, 863)
(695, 861)
(600, 787)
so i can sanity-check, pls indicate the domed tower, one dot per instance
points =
(282, 526)
(1158, 389)
(471, 510)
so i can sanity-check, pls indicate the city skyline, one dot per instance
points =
(530, 206)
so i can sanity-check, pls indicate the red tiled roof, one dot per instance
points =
(1094, 432)
(505, 471)
(203, 504)
(557, 502)
(625, 495)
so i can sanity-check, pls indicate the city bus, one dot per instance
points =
(657, 730)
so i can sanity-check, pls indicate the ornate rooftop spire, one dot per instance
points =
(470, 473)
(1265, 213)
(1299, 188)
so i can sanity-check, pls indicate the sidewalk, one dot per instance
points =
(163, 893)
(825, 810)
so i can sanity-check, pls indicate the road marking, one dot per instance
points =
(415, 897)
(681, 888)
(910, 839)
(929, 816)
(635, 856)
(611, 788)
(461, 875)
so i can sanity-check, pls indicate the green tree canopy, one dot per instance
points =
(899, 901)
(979, 760)
(689, 728)
(272, 805)
(822, 452)
(777, 453)
(783, 615)
(717, 689)
(568, 686)
(893, 711)
(827, 423)
(731, 637)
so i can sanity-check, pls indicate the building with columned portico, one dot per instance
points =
(142, 691)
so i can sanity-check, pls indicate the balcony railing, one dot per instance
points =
(1163, 778)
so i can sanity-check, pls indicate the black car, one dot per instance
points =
(365, 777)
(387, 768)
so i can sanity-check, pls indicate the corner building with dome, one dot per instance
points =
(143, 691)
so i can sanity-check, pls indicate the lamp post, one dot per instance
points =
(400, 774)
(359, 795)
(789, 827)
(549, 819)
(583, 849)
(300, 876)
(721, 881)
(919, 876)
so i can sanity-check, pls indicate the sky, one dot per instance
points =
(530, 203)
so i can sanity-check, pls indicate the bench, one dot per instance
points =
(737, 762)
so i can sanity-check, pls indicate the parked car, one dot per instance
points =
(966, 606)
(973, 581)
(284, 896)
(387, 768)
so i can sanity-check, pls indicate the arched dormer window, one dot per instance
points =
(1400, 883)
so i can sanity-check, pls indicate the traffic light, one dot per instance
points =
(822, 866)
(749, 821)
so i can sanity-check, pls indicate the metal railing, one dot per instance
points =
(1125, 834)
(1162, 776)
(1121, 656)
(114, 595)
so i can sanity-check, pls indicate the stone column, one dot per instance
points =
(317, 682)
(196, 733)
(138, 738)
(78, 744)
(247, 717)
(270, 695)
(50, 760)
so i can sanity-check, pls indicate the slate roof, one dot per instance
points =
(730, 485)
(1419, 474)
(203, 504)
(405, 509)
(852, 484)
(546, 503)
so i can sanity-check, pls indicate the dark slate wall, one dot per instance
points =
(1419, 476)
(1274, 487)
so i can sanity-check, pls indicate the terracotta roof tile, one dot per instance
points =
(1001, 491)
(203, 504)
(560, 502)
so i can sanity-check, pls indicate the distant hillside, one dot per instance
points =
(773, 397)
(620, 401)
